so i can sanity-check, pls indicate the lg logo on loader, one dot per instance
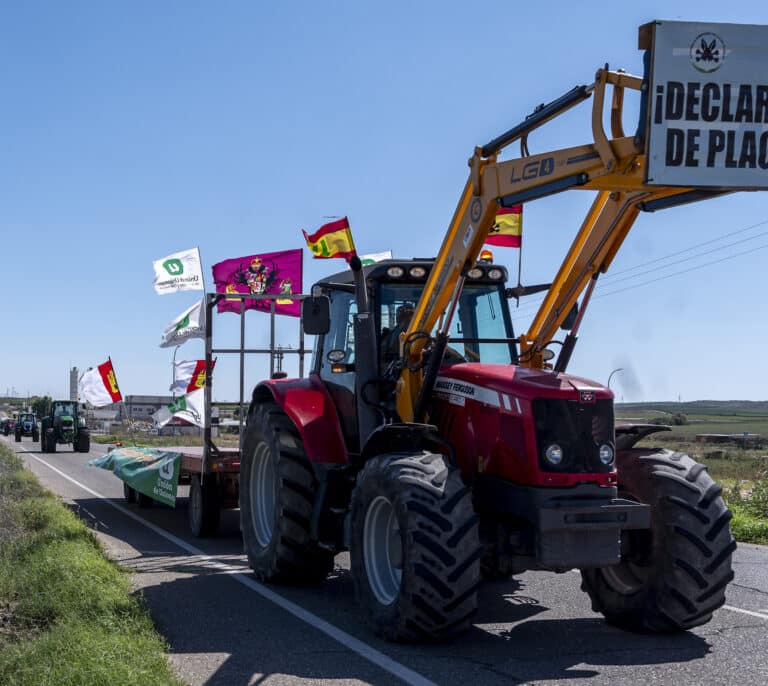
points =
(534, 170)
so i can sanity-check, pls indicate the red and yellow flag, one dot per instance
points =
(507, 230)
(332, 240)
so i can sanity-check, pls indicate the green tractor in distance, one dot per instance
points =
(64, 426)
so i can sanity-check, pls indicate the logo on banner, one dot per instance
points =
(707, 52)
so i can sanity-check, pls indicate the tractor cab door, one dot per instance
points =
(335, 363)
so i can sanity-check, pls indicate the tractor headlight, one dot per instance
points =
(418, 272)
(395, 272)
(606, 454)
(476, 273)
(554, 454)
(496, 274)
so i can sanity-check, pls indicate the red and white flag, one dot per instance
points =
(99, 387)
(189, 375)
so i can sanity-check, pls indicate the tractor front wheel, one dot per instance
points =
(673, 576)
(414, 548)
(277, 491)
(82, 443)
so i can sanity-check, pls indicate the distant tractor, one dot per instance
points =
(64, 426)
(26, 425)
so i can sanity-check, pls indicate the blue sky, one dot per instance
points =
(131, 131)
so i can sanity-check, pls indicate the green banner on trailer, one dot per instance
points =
(150, 471)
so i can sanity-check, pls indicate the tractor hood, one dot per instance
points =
(499, 383)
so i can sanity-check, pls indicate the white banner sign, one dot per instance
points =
(709, 105)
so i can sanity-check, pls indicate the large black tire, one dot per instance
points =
(277, 487)
(129, 494)
(83, 441)
(673, 576)
(35, 436)
(204, 508)
(17, 436)
(414, 548)
(50, 441)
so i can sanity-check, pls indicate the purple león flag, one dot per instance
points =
(267, 273)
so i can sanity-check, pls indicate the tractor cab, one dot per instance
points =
(481, 329)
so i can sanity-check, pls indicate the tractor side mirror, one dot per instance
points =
(570, 319)
(316, 315)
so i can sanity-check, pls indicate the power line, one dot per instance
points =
(693, 247)
(530, 307)
(684, 271)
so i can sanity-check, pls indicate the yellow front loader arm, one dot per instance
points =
(615, 167)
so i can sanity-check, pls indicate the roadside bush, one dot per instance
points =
(758, 501)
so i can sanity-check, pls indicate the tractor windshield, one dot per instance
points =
(481, 330)
(64, 410)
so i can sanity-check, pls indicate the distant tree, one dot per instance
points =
(42, 406)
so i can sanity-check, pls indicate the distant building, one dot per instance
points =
(144, 406)
(73, 378)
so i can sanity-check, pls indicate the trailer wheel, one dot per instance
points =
(673, 576)
(415, 548)
(204, 508)
(144, 500)
(129, 494)
(277, 487)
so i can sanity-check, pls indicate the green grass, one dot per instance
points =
(67, 616)
(747, 527)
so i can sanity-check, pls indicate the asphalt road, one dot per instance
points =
(225, 628)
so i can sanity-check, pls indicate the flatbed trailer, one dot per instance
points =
(211, 471)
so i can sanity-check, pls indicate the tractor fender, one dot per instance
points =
(629, 434)
(310, 407)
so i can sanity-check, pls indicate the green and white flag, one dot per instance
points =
(181, 271)
(190, 407)
(189, 324)
(150, 471)
(373, 257)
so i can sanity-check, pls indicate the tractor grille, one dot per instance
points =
(578, 428)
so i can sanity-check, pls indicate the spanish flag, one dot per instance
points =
(332, 240)
(507, 230)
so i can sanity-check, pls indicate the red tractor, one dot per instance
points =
(466, 453)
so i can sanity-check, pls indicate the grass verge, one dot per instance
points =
(746, 526)
(67, 616)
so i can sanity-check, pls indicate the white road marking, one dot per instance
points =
(745, 612)
(355, 645)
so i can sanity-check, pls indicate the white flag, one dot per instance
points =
(370, 258)
(190, 407)
(181, 271)
(189, 324)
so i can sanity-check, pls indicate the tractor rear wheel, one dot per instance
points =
(50, 437)
(415, 548)
(673, 576)
(17, 436)
(277, 487)
(203, 510)
(35, 436)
